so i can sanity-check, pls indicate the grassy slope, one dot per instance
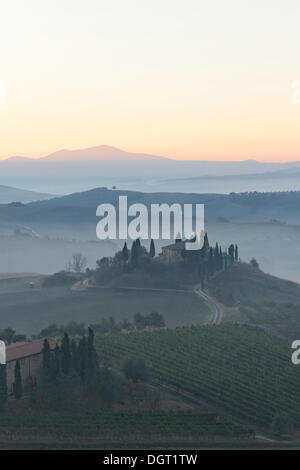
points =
(243, 283)
(30, 310)
(241, 370)
(258, 298)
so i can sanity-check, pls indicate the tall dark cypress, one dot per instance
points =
(18, 387)
(134, 255)
(74, 355)
(82, 359)
(231, 252)
(92, 360)
(211, 262)
(236, 253)
(46, 354)
(56, 362)
(217, 257)
(152, 248)
(217, 249)
(125, 253)
(220, 259)
(205, 242)
(65, 354)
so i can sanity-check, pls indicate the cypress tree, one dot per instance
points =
(210, 262)
(152, 248)
(125, 253)
(56, 362)
(46, 353)
(205, 242)
(236, 253)
(134, 255)
(220, 259)
(217, 249)
(231, 252)
(217, 257)
(92, 360)
(18, 388)
(82, 359)
(65, 354)
(74, 355)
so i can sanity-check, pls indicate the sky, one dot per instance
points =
(186, 79)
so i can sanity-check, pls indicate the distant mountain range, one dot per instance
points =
(67, 171)
(106, 155)
(102, 153)
(9, 195)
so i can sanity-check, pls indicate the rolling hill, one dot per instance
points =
(9, 195)
(242, 283)
(243, 207)
(257, 298)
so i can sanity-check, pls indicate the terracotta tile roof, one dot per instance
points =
(26, 348)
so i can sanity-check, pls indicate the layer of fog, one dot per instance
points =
(275, 246)
(219, 185)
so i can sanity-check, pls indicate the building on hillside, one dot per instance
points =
(29, 354)
(174, 253)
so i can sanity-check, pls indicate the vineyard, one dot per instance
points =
(107, 425)
(241, 370)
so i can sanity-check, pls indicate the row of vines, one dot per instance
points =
(244, 371)
(106, 425)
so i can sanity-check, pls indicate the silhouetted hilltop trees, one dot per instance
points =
(145, 268)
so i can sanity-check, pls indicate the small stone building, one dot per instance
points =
(174, 253)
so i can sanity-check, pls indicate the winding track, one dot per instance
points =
(217, 312)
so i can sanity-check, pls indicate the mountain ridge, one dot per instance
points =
(235, 207)
(110, 153)
(9, 194)
(91, 154)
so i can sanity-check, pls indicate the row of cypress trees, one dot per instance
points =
(68, 358)
(132, 256)
(71, 356)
